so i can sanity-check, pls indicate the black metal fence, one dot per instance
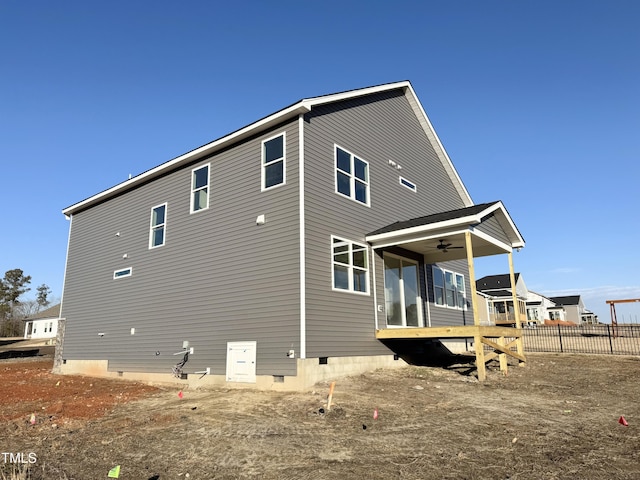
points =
(605, 339)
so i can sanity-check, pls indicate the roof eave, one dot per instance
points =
(301, 107)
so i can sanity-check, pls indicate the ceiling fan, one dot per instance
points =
(445, 247)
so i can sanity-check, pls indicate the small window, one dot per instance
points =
(350, 266)
(449, 289)
(273, 162)
(158, 226)
(200, 188)
(406, 183)
(352, 176)
(125, 272)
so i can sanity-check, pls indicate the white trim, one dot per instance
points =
(426, 289)
(352, 176)
(404, 184)
(458, 222)
(116, 276)
(193, 190)
(283, 160)
(375, 290)
(492, 240)
(437, 235)
(66, 265)
(439, 148)
(152, 227)
(444, 289)
(368, 273)
(302, 251)
(301, 107)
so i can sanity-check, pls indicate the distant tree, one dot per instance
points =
(43, 296)
(12, 286)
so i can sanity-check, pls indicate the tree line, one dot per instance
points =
(13, 309)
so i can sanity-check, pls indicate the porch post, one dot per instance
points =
(477, 339)
(516, 307)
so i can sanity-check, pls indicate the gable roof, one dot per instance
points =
(471, 216)
(51, 312)
(567, 300)
(292, 111)
(493, 282)
(458, 214)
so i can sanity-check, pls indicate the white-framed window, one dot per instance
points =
(273, 161)
(449, 289)
(123, 272)
(200, 188)
(350, 266)
(407, 184)
(157, 230)
(352, 176)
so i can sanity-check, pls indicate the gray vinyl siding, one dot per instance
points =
(492, 227)
(377, 129)
(218, 278)
(442, 316)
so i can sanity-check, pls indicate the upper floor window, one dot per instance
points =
(350, 266)
(158, 225)
(200, 188)
(352, 176)
(124, 272)
(449, 289)
(273, 162)
(406, 183)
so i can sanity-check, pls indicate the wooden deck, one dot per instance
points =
(502, 340)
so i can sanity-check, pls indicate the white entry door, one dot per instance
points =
(241, 361)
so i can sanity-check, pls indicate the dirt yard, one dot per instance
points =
(557, 418)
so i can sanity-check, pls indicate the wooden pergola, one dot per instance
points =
(462, 227)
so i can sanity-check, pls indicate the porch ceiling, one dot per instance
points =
(426, 235)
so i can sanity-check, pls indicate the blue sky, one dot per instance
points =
(536, 102)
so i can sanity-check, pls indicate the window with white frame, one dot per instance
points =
(449, 289)
(200, 188)
(352, 176)
(273, 162)
(124, 272)
(158, 225)
(406, 183)
(350, 266)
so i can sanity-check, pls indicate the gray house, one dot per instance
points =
(276, 254)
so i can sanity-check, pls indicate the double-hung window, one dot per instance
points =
(449, 289)
(158, 226)
(200, 188)
(350, 266)
(273, 162)
(352, 176)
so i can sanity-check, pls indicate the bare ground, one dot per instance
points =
(557, 418)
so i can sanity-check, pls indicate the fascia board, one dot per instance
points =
(504, 215)
(440, 150)
(456, 222)
(208, 149)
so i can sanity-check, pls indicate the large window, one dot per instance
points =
(350, 266)
(158, 225)
(273, 162)
(449, 289)
(352, 176)
(200, 188)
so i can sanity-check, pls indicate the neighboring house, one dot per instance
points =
(276, 254)
(571, 309)
(500, 301)
(43, 324)
(538, 307)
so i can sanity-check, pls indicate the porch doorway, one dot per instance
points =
(403, 304)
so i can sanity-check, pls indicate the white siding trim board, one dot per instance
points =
(302, 251)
